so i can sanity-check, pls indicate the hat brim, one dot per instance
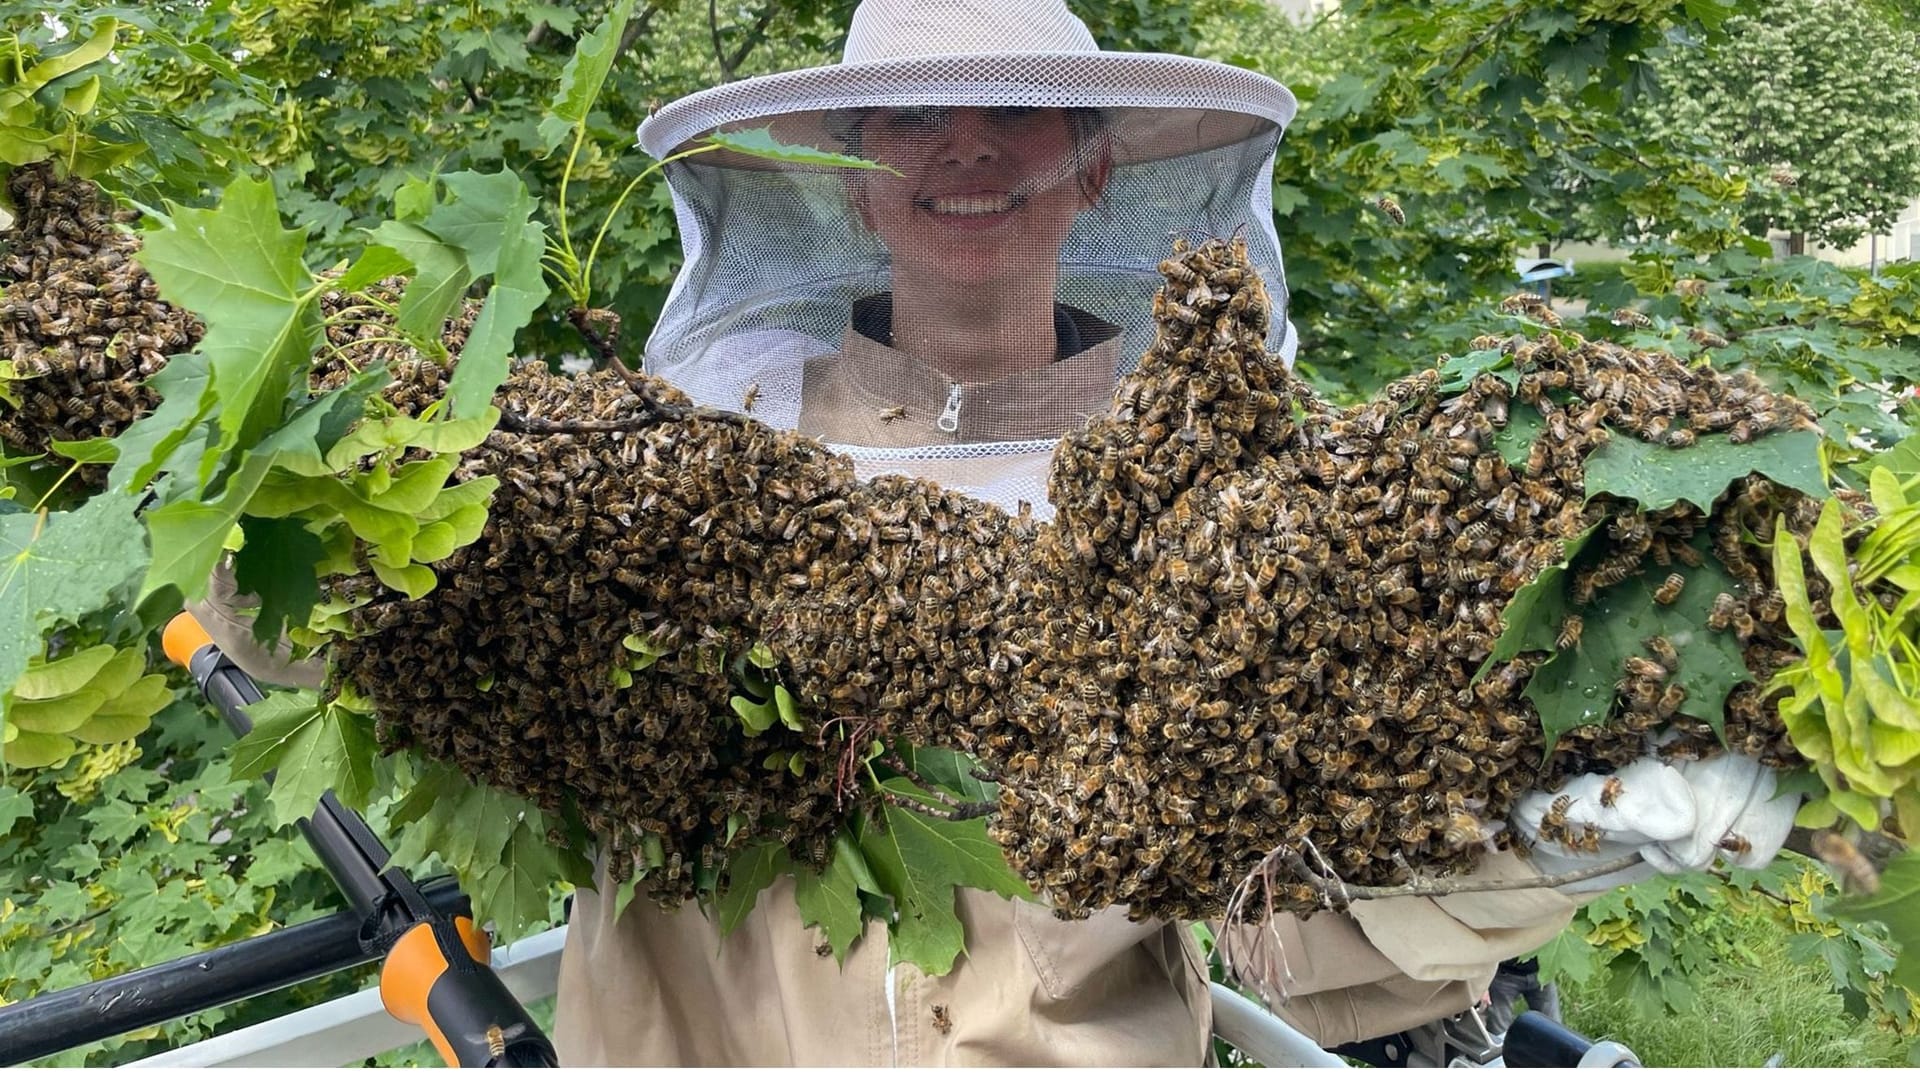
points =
(1174, 105)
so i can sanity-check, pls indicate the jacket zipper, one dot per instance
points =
(949, 420)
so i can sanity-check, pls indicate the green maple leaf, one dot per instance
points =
(189, 536)
(277, 565)
(585, 73)
(919, 861)
(243, 274)
(1515, 440)
(1531, 620)
(830, 899)
(1897, 905)
(1458, 372)
(1576, 686)
(749, 871)
(15, 806)
(490, 220)
(277, 719)
(312, 749)
(440, 279)
(514, 894)
(1657, 477)
(60, 567)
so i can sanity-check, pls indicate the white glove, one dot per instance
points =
(1677, 819)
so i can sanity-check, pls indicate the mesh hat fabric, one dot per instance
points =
(953, 320)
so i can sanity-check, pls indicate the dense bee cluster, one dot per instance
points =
(1260, 618)
(1256, 622)
(698, 534)
(81, 325)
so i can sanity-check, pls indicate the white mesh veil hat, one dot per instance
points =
(1040, 181)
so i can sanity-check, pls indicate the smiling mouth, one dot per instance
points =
(977, 204)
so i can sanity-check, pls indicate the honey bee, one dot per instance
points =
(892, 413)
(1392, 209)
(1569, 637)
(1663, 652)
(1610, 791)
(1356, 819)
(1626, 316)
(1556, 815)
(1639, 667)
(1680, 438)
(1462, 829)
(1454, 760)
(1734, 844)
(1725, 607)
(942, 1020)
(750, 398)
(1670, 701)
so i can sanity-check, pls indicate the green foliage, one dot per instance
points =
(1821, 101)
(57, 568)
(1749, 1013)
(1577, 686)
(1668, 945)
(1489, 122)
(1836, 339)
(1657, 477)
(497, 844)
(138, 852)
(1896, 906)
(1854, 707)
(314, 746)
(94, 696)
(62, 103)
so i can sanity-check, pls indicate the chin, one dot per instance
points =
(969, 266)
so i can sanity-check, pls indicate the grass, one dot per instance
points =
(1746, 1015)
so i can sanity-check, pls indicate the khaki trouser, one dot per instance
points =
(663, 988)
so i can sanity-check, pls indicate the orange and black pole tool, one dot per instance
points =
(435, 974)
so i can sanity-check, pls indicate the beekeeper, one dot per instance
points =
(951, 319)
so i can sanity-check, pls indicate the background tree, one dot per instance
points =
(1821, 98)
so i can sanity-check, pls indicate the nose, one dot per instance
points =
(968, 139)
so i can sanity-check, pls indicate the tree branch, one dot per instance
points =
(959, 810)
(1474, 46)
(754, 37)
(636, 27)
(1330, 887)
(719, 52)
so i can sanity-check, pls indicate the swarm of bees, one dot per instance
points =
(81, 325)
(1257, 622)
(1261, 618)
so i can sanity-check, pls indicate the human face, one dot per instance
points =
(982, 192)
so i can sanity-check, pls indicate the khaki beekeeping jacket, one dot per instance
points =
(656, 987)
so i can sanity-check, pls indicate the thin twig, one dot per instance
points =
(961, 809)
(719, 51)
(654, 412)
(754, 37)
(1450, 888)
(1473, 47)
(960, 812)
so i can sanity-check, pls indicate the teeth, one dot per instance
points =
(970, 204)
